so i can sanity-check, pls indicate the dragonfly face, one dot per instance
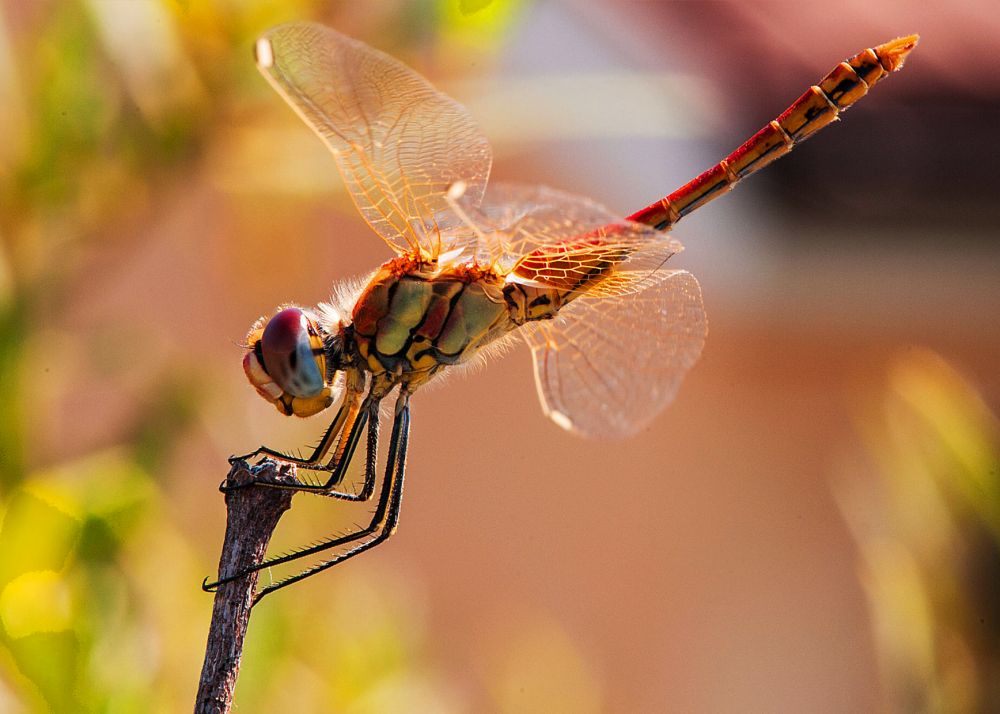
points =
(612, 330)
(286, 362)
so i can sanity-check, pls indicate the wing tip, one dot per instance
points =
(263, 52)
(562, 420)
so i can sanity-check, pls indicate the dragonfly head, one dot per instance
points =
(286, 362)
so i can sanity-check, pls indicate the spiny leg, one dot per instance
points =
(386, 516)
(322, 448)
(337, 468)
(371, 463)
(387, 511)
(343, 456)
(341, 461)
(370, 471)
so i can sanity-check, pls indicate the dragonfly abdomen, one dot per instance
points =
(818, 106)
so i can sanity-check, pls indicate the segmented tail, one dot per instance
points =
(820, 105)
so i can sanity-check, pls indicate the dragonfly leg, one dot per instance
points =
(382, 525)
(337, 467)
(322, 448)
(371, 458)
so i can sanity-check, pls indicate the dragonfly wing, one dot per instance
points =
(607, 366)
(559, 240)
(399, 143)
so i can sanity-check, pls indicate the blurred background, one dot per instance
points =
(814, 525)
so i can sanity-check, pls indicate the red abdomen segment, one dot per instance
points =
(820, 105)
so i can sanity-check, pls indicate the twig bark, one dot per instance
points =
(251, 517)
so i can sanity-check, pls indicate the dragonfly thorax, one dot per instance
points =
(410, 322)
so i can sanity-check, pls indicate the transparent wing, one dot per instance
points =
(549, 238)
(607, 366)
(399, 143)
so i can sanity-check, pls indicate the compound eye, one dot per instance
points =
(288, 353)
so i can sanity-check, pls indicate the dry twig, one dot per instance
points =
(251, 517)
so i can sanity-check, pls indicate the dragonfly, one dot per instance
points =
(611, 326)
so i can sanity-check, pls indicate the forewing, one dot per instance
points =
(399, 143)
(608, 366)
